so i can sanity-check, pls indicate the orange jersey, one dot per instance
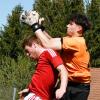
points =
(76, 59)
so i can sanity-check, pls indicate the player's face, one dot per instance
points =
(31, 51)
(72, 28)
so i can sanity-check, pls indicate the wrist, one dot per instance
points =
(37, 26)
(63, 89)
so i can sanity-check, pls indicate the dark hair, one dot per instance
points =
(81, 20)
(29, 40)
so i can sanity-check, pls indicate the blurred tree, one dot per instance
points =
(13, 35)
(15, 68)
(14, 74)
(93, 38)
(77, 6)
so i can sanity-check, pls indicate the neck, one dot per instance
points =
(77, 35)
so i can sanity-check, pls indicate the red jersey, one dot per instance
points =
(45, 76)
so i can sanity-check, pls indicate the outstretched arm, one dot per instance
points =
(32, 18)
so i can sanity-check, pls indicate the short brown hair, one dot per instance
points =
(28, 41)
(81, 20)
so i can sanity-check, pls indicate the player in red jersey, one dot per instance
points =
(49, 65)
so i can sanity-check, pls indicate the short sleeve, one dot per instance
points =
(70, 44)
(54, 58)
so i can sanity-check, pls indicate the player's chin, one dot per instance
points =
(69, 33)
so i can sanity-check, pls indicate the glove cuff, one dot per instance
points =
(36, 26)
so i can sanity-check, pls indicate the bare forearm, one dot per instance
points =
(64, 79)
(43, 38)
(48, 41)
(47, 35)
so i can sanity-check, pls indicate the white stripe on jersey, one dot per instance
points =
(52, 52)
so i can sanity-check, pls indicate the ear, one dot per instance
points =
(80, 29)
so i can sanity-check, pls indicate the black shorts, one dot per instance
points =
(76, 91)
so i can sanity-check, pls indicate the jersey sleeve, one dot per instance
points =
(54, 58)
(70, 44)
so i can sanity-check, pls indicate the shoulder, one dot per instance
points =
(73, 40)
(51, 52)
(73, 43)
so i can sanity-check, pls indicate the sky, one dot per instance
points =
(6, 7)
